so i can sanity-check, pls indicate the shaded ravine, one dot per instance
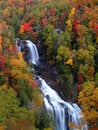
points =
(48, 72)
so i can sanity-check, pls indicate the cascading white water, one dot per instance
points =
(34, 52)
(62, 111)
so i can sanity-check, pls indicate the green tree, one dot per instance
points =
(24, 92)
(43, 119)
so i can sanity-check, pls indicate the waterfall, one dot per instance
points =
(62, 111)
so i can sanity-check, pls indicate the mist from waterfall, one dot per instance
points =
(64, 113)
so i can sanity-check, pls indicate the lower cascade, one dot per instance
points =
(67, 115)
(64, 112)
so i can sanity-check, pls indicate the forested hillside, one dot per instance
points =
(69, 31)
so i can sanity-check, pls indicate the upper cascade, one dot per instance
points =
(33, 52)
(29, 50)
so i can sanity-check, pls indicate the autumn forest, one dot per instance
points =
(68, 29)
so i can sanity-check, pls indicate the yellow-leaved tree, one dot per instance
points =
(88, 98)
(19, 69)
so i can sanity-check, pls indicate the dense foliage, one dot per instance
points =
(69, 30)
(19, 94)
